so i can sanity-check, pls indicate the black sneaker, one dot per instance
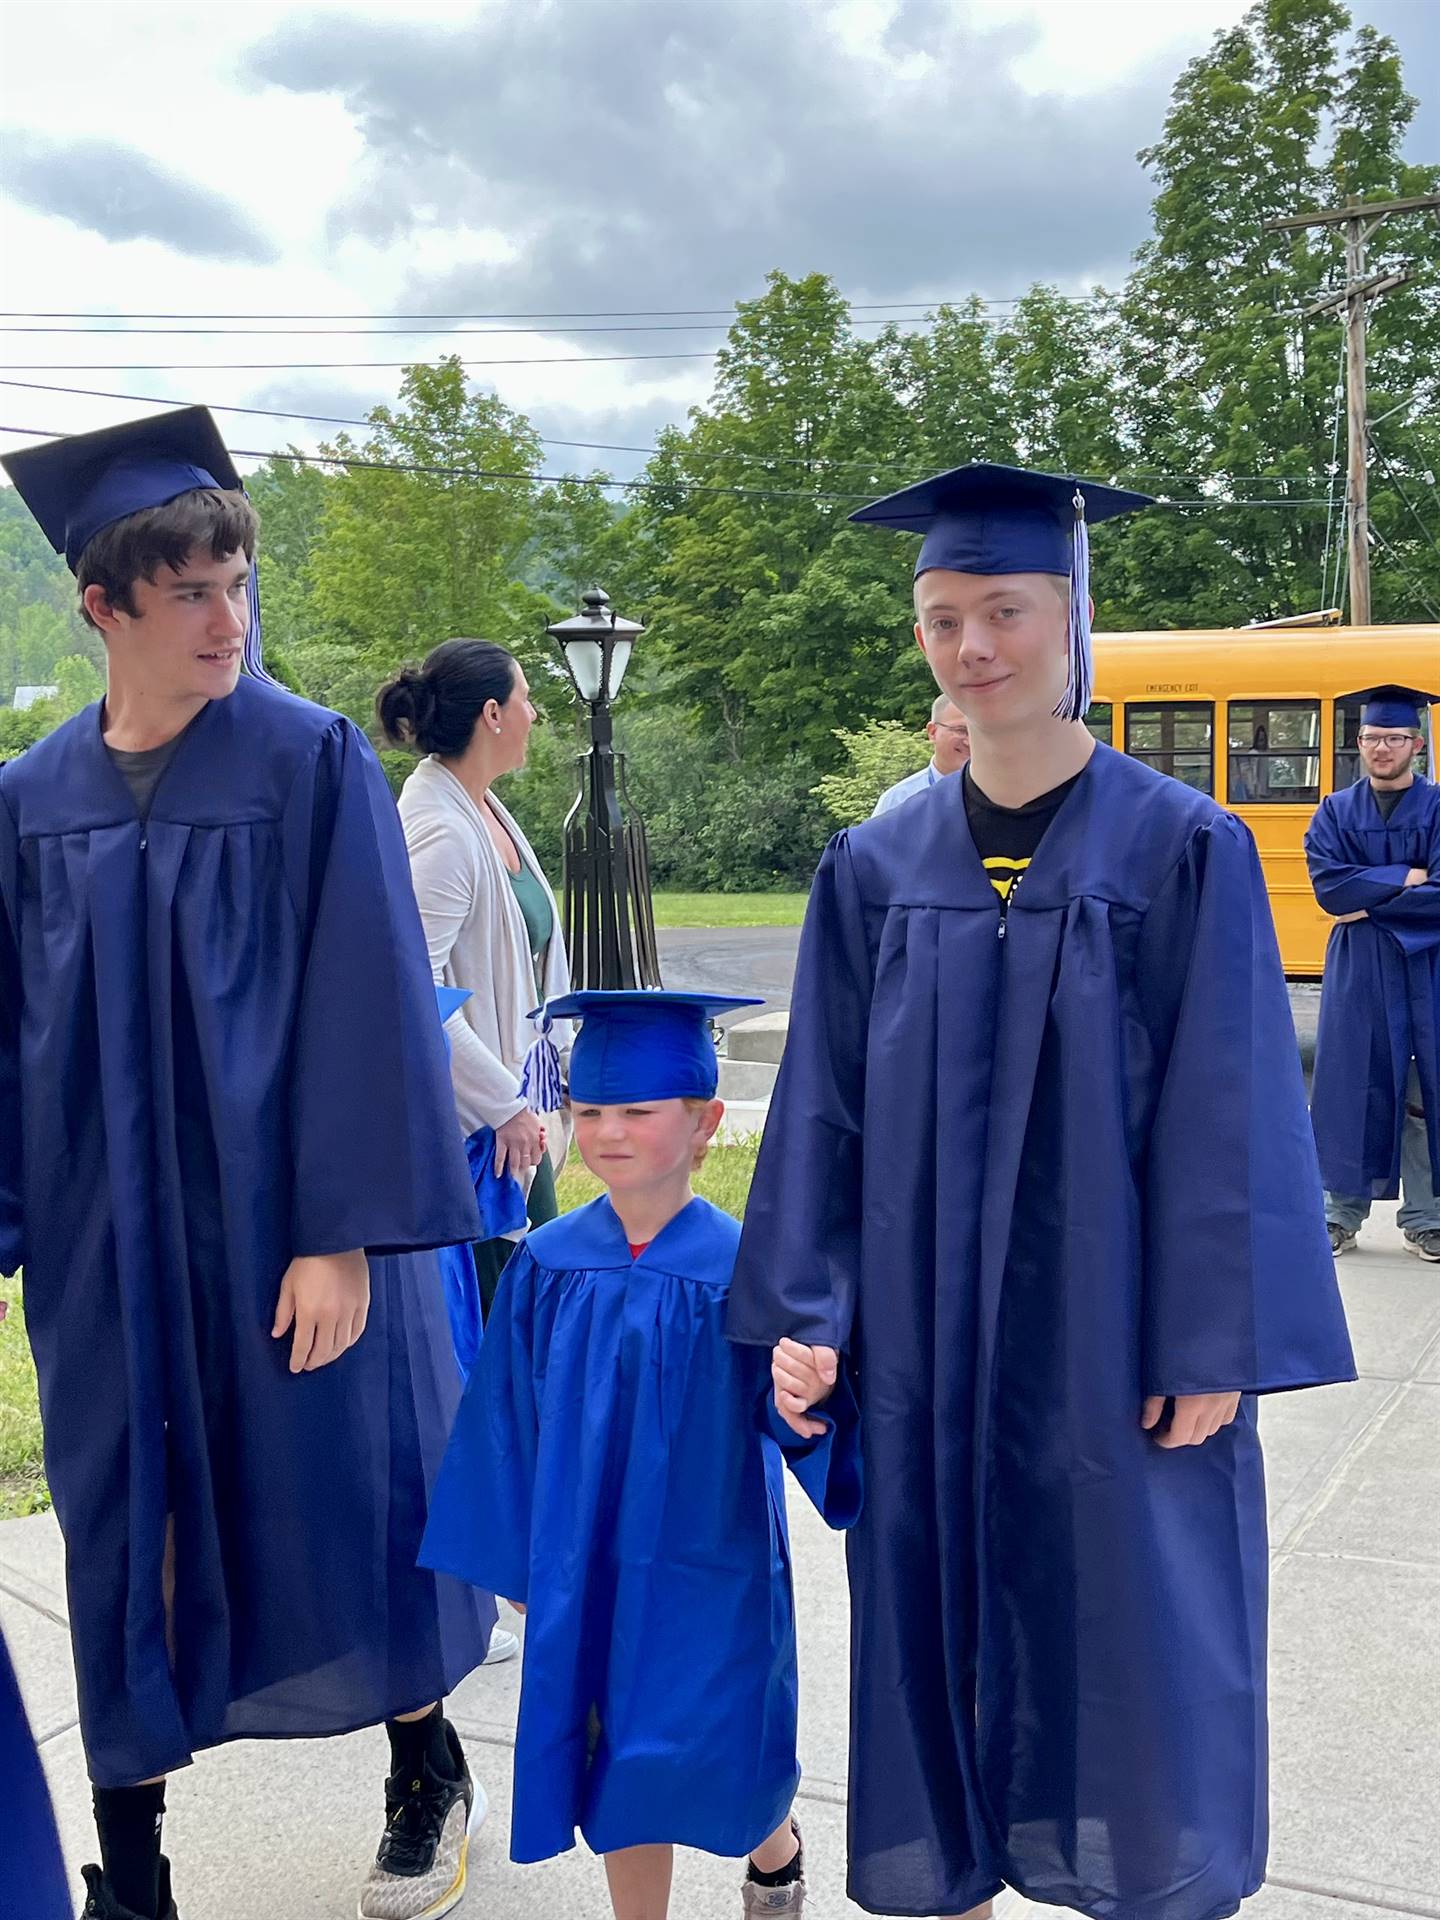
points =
(421, 1866)
(1425, 1244)
(1342, 1240)
(101, 1904)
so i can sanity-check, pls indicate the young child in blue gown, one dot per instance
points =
(615, 1471)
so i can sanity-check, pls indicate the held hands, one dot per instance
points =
(1196, 1417)
(804, 1377)
(519, 1143)
(326, 1298)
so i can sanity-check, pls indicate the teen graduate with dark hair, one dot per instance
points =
(226, 1138)
(608, 1472)
(1374, 856)
(1038, 1168)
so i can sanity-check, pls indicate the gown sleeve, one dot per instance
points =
(379, 1160)
(486, 1092)
(1239, 1289)
(1341, 886)
(12, 1219)
(1412, 916)
(481, 1509)
(828, 1465)
(799, 1261)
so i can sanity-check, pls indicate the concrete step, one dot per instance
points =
(747, 1079)
(744, 1120)
(762, 1038)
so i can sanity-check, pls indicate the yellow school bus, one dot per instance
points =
(1264, 719)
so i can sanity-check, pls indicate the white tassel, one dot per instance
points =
(1080, 683)
(541, 1086)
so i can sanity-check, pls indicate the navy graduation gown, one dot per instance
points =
(219, 1050)
(1380, 1001)
(608, 1472)
(1023, 1183)
(32, 1877)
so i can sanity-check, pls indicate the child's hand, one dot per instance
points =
(804, 1377)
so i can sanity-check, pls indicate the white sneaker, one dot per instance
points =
(504, 1646)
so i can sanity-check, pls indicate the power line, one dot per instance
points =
(1394, 479)
(319, 366)
(562, 313)
(644, 486)
(398, 333)
(1420, 592)
(593, 446)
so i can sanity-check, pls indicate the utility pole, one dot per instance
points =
(1360, 221)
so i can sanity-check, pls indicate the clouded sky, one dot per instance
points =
(555, 157)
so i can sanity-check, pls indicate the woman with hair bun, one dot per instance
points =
(490, 917)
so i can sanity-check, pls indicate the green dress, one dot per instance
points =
(542, 1205)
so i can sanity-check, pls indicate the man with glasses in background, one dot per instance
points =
(948, 732)
(1374, 856)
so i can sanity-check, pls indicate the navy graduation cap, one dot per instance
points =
(81, 483)
(991, 519)
(1392, 706)
(642, 1045)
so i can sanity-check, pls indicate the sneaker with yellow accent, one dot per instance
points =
(421, 1867)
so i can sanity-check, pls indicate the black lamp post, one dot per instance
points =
(609, 915)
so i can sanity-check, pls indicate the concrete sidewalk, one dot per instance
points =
(270, 1832)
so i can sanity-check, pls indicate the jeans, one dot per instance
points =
(1420, 1208)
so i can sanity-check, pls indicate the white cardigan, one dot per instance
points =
(477, 939)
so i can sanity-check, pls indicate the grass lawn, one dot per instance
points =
(22, 1478)
(729, 909)
(724, 1180)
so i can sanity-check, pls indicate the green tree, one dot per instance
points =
(1232, 395)
(876, 756)
(421, 537)
(79, 683)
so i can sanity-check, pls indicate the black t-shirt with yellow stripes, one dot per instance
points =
(1006, 837)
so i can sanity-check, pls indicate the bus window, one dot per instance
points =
(1100, 720)
(1347, 754)
(1174, 737)
(1274, 753)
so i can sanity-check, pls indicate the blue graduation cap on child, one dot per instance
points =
(81, 483)
(990, 519)
(648, 1044)
(1395, 706)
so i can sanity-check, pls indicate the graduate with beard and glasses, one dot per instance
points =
(1374, 856)
(1039, 1188)
(227, 1145)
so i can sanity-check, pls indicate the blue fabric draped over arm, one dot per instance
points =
(1340, 885)
(798, 1266)
(12, 1218)
(1239, 1281)
(379, 1160)
(32, 1876)
(481, 1509)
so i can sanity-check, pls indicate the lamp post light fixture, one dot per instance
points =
(609, 914)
